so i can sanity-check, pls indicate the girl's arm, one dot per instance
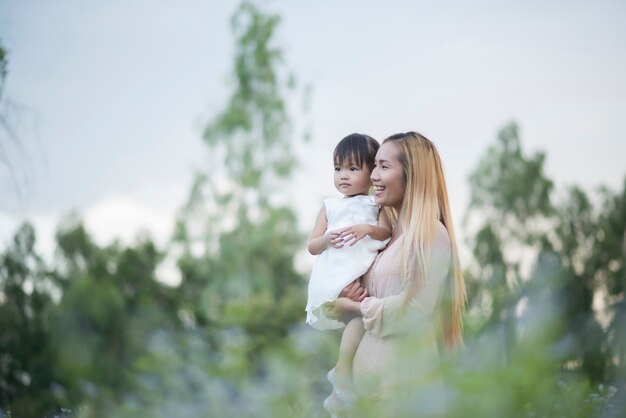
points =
(319, 241)
(355, 233)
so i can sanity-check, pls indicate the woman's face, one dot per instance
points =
(388, 176)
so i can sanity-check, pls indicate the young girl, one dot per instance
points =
(348, 234)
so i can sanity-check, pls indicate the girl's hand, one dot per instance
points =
(355, 233)
(344, 308)
(334, 239)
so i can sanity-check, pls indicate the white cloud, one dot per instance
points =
(123, 218)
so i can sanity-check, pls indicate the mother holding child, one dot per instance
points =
(410, 298)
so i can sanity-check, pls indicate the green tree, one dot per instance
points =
(26, 361)
(73, 334)
(610, 262)
(510, 203)
(518, 225)
(240, 298)
(122, 344)
(111, 305)
(609, 266)
(575, 232)
(242, 279)
(540, 260)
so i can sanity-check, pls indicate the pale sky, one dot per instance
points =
(115, 95)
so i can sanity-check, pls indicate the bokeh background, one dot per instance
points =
(161, 165)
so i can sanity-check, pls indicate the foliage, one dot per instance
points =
(25, 358)
(72, 333)
(530, 380)
(519, 223)
(116, 336)
(243, 280)
(510, 198)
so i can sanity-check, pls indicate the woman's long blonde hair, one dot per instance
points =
(425, 203)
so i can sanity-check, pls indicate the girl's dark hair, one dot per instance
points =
(357, 148)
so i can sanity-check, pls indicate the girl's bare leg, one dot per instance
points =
(350, 340)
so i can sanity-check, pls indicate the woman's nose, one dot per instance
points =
(374, 175)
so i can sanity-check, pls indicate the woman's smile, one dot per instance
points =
(388, 177)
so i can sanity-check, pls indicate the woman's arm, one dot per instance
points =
(344, 307)
(384, 316)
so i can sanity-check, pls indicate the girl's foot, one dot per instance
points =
(335, 406)
(342, 385)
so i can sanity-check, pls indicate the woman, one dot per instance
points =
(417, 292)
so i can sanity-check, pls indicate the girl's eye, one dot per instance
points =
(353, 169)
(337, 169)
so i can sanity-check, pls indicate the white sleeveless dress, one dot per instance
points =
(335, 268)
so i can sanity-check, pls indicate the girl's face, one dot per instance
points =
(388, 177)
(352, 180)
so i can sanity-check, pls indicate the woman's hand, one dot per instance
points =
(354, 291)
(344, 308)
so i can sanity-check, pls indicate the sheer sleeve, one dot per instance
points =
(386, 316)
